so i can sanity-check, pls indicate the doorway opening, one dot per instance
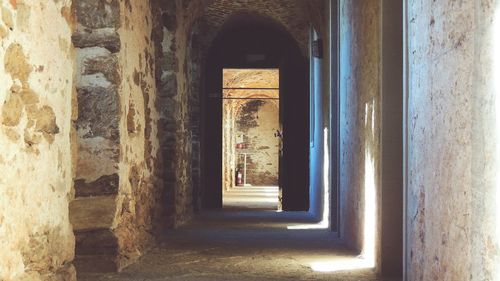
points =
(251, 137)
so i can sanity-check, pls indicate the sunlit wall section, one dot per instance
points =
(360, 121)
(486, 145)
(495, 34)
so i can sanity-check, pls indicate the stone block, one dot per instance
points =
(98, 111)
(106, 64)
(92, 213)
(96, 242)
(168, 85)
(98, 13)
(107, 38)
(105, 185)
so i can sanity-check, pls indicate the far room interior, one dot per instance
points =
(251, 138)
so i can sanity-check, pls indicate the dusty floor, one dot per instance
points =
(243, 244)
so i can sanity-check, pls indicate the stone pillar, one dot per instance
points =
(97, 180)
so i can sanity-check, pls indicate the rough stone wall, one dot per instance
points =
(116, 175)
(453, 197)
(194, 70)
(97, 180)
(178, 91)
(36, 165)
(359, 119)
(256, 122)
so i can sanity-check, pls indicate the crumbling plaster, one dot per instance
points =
(36, 163)
(140, 189)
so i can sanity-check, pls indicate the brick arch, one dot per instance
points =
(288, 14)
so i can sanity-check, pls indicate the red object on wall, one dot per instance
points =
(241, 145)
(239, 178)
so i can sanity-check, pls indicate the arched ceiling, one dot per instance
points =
(289, 13)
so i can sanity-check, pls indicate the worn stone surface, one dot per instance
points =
(360, 124)
(98, 108)
(89, 213)
(105, 37)
(97, 242)
(96, 14)
(178, 98)
(36, 88)
(97, 179)
(105, 185)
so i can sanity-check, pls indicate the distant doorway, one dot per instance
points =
(251, 137)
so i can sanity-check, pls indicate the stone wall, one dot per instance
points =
(36, 94)
(178, 106)
(452, 126)
(360, 124)
(116, 180)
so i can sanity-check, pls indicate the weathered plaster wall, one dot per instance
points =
(256, 122)
(36, 165)
(229, 140)
(452, 216)
(140, 188)
(360, 124)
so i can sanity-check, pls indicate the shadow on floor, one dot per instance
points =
(242, 245)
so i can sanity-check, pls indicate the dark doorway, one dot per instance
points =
(250, 41)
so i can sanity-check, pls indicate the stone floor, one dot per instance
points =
(239, 243)
(251, 197)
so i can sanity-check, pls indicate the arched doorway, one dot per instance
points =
(251, 41)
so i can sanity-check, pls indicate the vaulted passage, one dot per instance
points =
(249, 140)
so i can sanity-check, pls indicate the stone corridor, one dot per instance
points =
(375, 137)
